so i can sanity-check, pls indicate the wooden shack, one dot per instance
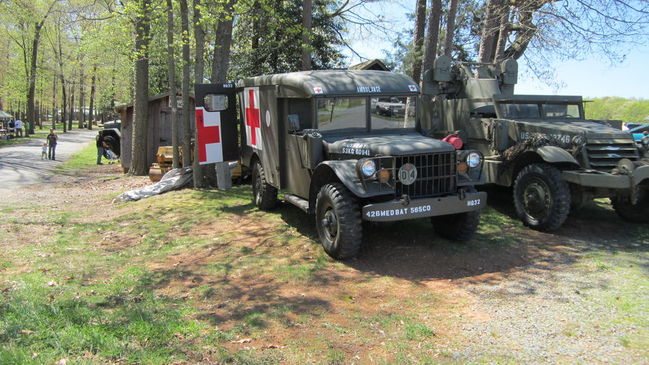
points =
(374, 64)
(159, 127)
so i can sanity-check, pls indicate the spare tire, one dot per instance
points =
(113, 143)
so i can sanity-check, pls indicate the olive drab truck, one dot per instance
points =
(346, 147)
(541, 145)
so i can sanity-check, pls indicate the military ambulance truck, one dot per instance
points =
(541, 145)
(315, 136)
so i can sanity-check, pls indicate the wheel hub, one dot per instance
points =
(536, 198)
(330, 223)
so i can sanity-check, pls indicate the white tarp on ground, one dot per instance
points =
(172, 180)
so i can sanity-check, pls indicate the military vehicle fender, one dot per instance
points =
(342, 170)
(554, 154)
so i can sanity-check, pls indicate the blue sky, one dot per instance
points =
(594, 76)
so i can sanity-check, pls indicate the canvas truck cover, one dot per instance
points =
(306, 84)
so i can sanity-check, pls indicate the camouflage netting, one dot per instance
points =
(538, 140)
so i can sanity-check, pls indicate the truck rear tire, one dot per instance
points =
(541, 197)
(264, 195)
(338, 221)
(457, 227)
(638, 213)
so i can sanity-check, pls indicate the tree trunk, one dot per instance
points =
(113, 85)
(499, 51)
(139, 163)
(433, 34)
(54, 113)
(221, 57)
(203, 174)
(65, 101)
(307, 21)
(490, 25)
(31, 112)
(525, 31)
(82, 99)
(71, 113)
(171, 72)
(199, 36)
(92, 96)
(418, 40)
(184, 16)
(450, 28)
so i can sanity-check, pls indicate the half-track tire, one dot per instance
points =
(457, 227)
(638, 213)
(541, 197)
(338, 221)
(264, 195)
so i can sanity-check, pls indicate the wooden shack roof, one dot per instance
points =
(119, 108)
(374, 64)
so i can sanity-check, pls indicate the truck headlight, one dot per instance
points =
(368, 168)
(473, 159)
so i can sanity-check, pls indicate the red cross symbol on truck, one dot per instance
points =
(206, 135)
(252, 117)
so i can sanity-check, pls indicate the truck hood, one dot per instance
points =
(385, 145)
(569, 127)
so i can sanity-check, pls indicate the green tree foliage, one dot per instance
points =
(403, 54)
(267, 37)
(616, 108)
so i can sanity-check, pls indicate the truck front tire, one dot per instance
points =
(264, 195)
(638, 213)
(338, 221)
(541, 197)
(457, 227)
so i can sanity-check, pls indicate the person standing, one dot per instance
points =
(19, 128)
(100, 148)
(12, 129)
(52, 138)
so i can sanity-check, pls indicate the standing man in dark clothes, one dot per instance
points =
(52, 138)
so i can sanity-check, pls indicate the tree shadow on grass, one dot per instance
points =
(245, 299)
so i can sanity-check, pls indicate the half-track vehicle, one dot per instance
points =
(541, 145)
(313, 136)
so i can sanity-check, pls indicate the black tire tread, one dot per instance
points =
(561, 193)
(349, 217)
(638, 213)
(268, 192)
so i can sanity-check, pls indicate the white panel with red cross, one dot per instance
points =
(252, 117)
(208, 128)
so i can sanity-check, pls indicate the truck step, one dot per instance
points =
(297, 201)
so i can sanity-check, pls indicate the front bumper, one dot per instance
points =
(398, 210)
(604, 180)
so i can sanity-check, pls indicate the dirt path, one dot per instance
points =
(21, 165)
(269, 295)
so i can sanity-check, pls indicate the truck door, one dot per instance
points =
(216, 123)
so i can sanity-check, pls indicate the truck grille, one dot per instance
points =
(435, 175)
(603, 155)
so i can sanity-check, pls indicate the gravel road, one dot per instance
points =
(21, 165)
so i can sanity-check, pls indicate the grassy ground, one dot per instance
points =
(81, 162)
(204, 277)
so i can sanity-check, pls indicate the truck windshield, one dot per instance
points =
(539, 110)
(393, 112)
(342, 114)
(350, 113)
